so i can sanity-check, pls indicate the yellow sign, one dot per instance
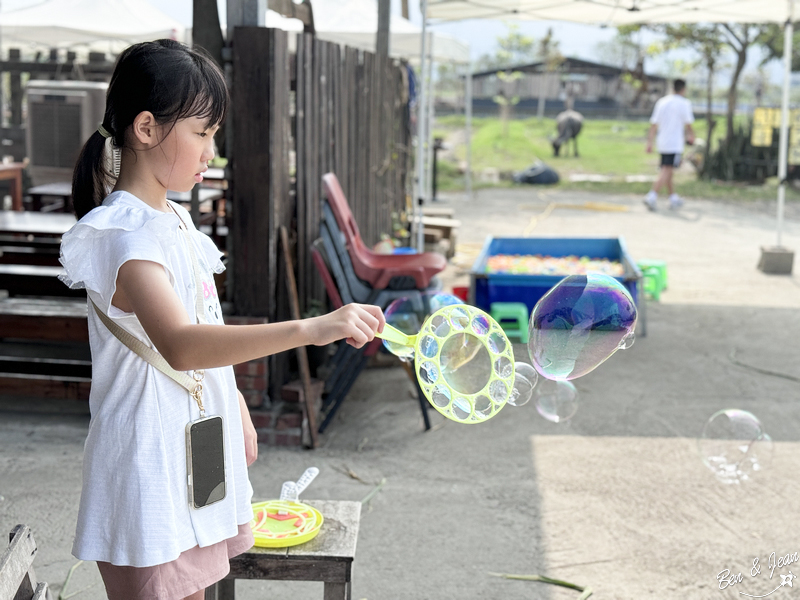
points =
(772, 117)
(761, 116)
(761, 136)
(794, 136)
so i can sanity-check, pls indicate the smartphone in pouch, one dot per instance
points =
(205, 461)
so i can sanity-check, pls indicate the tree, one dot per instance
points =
(507, 97)
(739, 38)
(513, 49)
(552, 59)
(771, 39)
(736, 37)
(628, 51)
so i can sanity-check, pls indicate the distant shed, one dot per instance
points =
(596, 89)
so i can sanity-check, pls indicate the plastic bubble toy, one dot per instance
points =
(463, 360)
(734, 446)
(286, 522)
(407, 315)
(556, 401)
(578, 324)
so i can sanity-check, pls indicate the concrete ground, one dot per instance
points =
(616, 499)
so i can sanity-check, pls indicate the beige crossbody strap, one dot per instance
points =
(192, 384)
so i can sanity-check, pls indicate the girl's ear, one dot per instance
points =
(144, 128)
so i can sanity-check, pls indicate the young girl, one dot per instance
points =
(142, 261)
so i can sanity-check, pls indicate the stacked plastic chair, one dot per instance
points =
(370, 279)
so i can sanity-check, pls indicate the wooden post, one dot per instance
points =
(15, 85)
(260, 109)
(309, 406)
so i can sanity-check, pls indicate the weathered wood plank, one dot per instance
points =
(309, 163)
(16, 570)
(53, 328)
(42, 386)
(303, 232)
(253, 167)
(335, 591)
(309, 404)
(41, 591)
(245, 566)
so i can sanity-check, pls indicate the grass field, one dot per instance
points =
(606, 147)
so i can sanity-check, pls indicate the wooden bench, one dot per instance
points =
(29, 255)
(438, 211)
(35, 280)
(327, 558)
(44, 348)
(17, 578)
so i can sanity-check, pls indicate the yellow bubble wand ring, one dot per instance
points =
(442, 326)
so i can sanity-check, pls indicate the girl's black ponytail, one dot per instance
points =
(164, 77)
(91, 179)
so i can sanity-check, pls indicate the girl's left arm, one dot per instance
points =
(250, 435)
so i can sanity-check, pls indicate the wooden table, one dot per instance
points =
(35, 223)
(13, 172)
(63, 191)
(327, 558)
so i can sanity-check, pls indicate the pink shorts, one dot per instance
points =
(192, 571)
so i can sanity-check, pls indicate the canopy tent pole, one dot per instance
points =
(430, 155)
(468, 133)
(421, 131)
(784, 133)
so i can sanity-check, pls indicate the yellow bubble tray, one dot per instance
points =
(280, 524)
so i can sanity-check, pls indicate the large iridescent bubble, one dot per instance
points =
(407, 314)
(579, 324)
(734, 445)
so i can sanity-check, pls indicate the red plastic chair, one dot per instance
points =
(351, 361)
(378, 269)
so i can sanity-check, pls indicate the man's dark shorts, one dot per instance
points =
(671, 160)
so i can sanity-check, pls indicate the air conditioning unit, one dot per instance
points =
(61, 117)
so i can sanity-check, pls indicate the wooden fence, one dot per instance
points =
(350, 116)
(351, 120)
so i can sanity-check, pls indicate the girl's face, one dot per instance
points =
(183, 154)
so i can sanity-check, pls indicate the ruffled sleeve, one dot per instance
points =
(209, 253)
(107, 237)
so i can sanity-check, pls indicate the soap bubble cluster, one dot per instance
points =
(734, 446)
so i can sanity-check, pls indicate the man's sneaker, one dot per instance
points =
(675, 201)
(650, 200)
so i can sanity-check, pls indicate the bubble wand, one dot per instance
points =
(450, 338)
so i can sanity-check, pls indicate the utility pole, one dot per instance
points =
(404, 8)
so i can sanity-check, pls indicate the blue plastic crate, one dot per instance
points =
(486, 288)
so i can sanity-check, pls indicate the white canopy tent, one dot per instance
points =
(355, 23)
(612, 12)
(625, 12)
(109, 25)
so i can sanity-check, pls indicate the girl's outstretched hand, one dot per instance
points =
(357, 323)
